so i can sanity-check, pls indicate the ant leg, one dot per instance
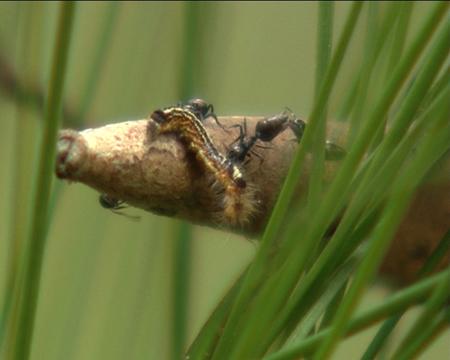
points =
(289, 113)
(245, 126)
(298, 127)
(131, 217)
(216, 120)
(242, 132)
(120, 206)
(256, 154)
(264, 147)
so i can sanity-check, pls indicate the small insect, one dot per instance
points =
(242, 145)
(189, 128)
(114, 205)
(108, 202)
(202, 109)
(265, 130)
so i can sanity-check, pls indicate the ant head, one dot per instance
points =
(108, 202)
(298, 127)
(199, 105)
(159, 116)
(115, 205)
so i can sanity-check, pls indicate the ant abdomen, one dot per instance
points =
(267, 129)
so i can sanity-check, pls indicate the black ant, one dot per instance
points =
(201, 109)
(266, 130)
(241, 147)
(108, 202)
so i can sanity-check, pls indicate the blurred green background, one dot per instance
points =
(107, 281)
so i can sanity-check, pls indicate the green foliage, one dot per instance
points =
(33, 256)
(269, 297)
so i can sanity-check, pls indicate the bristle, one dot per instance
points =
(239, 205)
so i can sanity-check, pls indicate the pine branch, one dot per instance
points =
(129, 162)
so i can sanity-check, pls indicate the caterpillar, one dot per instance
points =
(238, 203)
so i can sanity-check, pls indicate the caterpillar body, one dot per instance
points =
(238, 203)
